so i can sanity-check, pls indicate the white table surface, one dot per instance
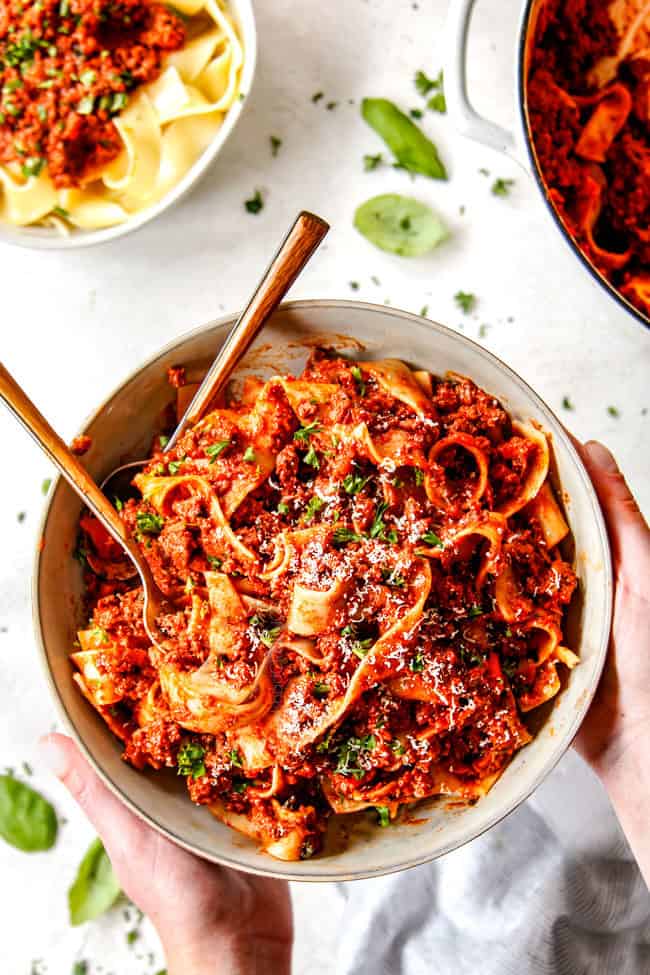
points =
(75, 324)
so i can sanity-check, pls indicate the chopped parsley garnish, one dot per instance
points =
(613, 411)
(235, 758)
(378, 528)
(567, 404)
(393, 578)
(119, 101)
(80, 968)
(349, 753)
(240, 785)
(397, 747)
(418, 473)
(214, 561)
(267, 634)
(119, 504)
(149, 523)
(383, 817)
(424, 84)
(275, 145)
(282, 508)
(32, 166)
(424, 311)
(324, 745)
(320, 689)
(430, 538)
(355, 285)
(60, 212)
(501, 187)
(255, 204)
(249, 455)
(311, 458)
(314, 505)
(215, 449)
(417, 662)
(465, 300)
(21, 517)
(163, 440)
(343, 535)
(317, 96)
(190, 759)
(416, 113)
(475, 611)
(359, 647)
(438, 103)
(372, 162)
(354, 483)
(305, 431)
(358, 378)
(45, 486)
(174, 466)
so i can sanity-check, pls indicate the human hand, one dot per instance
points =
(210, 919)
(614, 734)
(620, 713)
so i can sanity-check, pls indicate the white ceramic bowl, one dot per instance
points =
(46, 238)
(122, 429)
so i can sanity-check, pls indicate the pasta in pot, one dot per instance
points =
(588, 104)
(366, 598)
(96, 142)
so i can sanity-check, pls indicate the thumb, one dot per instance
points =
(627, 527)
(121, 831)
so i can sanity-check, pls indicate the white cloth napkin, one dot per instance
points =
(551, 889)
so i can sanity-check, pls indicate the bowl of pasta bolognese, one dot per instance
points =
(583, 93)
(110, 112)
(390, 596)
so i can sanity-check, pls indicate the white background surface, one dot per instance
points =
(75, 324)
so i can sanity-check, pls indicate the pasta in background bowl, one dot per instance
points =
(136, 102)
(123, 428)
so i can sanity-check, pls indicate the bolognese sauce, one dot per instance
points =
(588, 99)
(67, 68)
(366, 592)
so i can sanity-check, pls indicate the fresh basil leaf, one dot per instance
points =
(27, 820)
(95, 888)
(409, 145)
(399, 225)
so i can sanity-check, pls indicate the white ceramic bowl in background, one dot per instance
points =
(46, 238)
(518, 144)
(122, 429)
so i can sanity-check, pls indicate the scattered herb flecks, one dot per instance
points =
(255, 204)
(501, 187)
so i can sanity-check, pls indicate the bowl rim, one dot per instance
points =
(580, 710)
(535, 169)
(20, 236)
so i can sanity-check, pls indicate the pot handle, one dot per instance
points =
(464, 117)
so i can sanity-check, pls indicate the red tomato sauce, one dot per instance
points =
(599, 186)
(67, 68)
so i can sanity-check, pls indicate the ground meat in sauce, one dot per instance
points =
(444, 695)
(572, 36)
(67, 68)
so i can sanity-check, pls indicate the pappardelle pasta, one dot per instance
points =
(106, 104)
(366, 598)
